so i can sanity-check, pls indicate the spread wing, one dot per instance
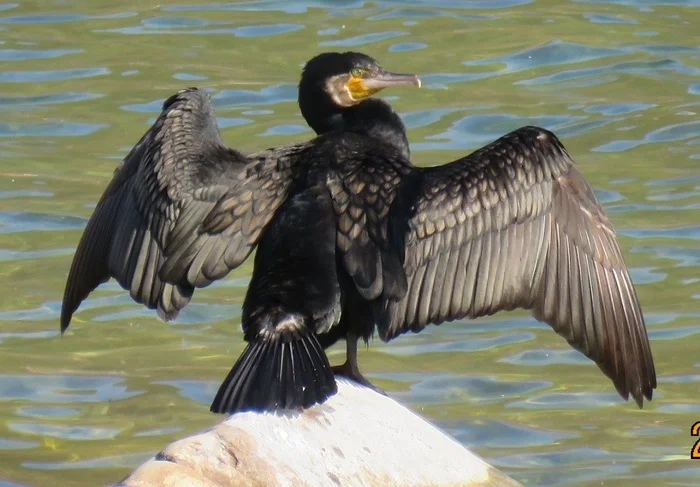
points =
(515, 225)
(149, 221)
(217, 233)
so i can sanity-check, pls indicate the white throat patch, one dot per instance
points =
(337, 89)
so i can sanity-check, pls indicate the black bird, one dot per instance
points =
(183, 210)
(352, 236)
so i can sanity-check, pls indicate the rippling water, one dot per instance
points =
(80, 81)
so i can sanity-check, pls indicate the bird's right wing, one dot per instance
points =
(217, 233)
(180, 212)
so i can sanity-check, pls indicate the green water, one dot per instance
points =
(80, 81)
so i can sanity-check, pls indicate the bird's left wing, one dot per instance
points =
(515, 225)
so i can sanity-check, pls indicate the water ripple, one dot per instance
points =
(451, 388)
(159, 431)
(286, 92)
(48, 412)
(286, 129)
(677, 333)
(652, 431)
(226, 122)
(49, 129)
(691, 231)
(612, 109)
(680, 407)
(606, 73)
(669, 181)
(20, 221)
(177, 22)
(476, 130)
(407, 46)
(10, 444)
(25, 193)
(289, 7)
(468, 4)
(194, 313)
(424, 118)
(609, 19)
(190, 77)
(247, 31)
(605, 465)
(684, 256)
(673, 196)
(644, 4)
(441, 80)
(647, 275)
(7, 254)
(54, 18)
(637, 207)
(34, 102)
(680, 379)
(569, 400)
(7, 483)
(64, 432)
(498, 434)
(28, 335)
(670, 133)
(129, 460)
(546, 356)
(63, 388)
(555, 52)
(470, 344)
(26, 54)
(51, 75)
(410, 13)
(197, 390)
(363, 39)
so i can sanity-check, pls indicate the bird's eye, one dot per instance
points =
(357, 72)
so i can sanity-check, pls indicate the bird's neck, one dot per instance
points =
(377, 119)
(372, 117)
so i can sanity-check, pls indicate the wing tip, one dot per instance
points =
(639, 397)
(68, 307)
(638, 392)
(65, 321)
(167, 314)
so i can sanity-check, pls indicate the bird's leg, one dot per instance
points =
(350, 368)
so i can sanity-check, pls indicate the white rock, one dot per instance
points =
(356, 438)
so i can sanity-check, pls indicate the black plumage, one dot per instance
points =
(293, 295)
(352, 236)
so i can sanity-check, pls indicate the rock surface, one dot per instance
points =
(356, 438)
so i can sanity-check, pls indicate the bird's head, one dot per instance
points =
(348, 78)
(334, 81)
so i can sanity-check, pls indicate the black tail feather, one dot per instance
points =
(277, 373)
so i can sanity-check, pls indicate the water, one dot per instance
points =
(81, 81)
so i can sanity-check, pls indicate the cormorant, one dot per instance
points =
(351, 236)
(183, 210)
